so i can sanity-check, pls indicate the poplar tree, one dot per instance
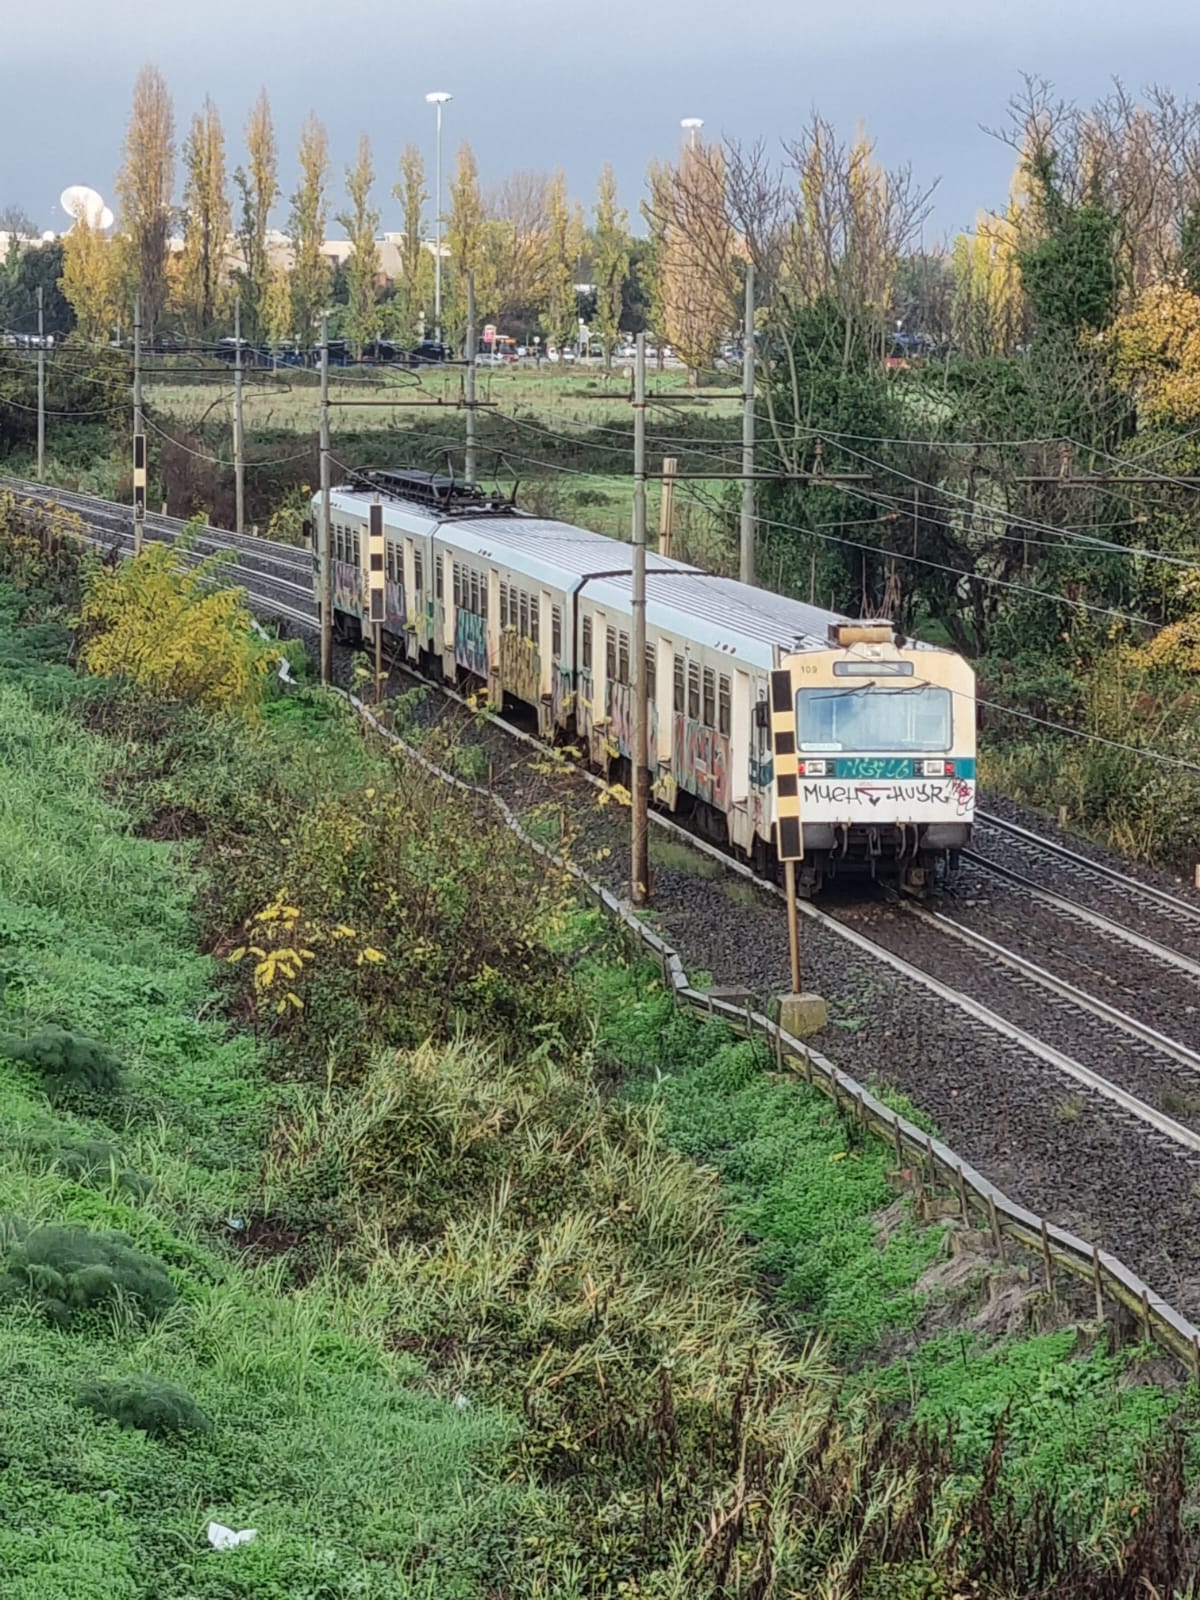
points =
(611, 261)
(310, 270)
(145, 187)
(415, 265)
(464, 239)
(564, 244)
(90, 279)
(258, 184)
(362, 269)
(206, 216)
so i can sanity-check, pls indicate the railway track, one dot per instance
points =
(1037, 1065)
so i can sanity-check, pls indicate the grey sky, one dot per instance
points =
(541, 83)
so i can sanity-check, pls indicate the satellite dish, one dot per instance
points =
(85, 205)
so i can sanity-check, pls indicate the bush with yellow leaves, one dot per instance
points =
(285, 945)
(173, 628)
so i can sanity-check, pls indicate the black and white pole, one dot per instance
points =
(139, 435)
(639, 870)
(326, 515)
(41, 420)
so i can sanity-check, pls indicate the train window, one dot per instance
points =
(534, 619)
(623, 658)
(710, 697)
(390, 562)
(483, 597)
(587, 644)
(356, 558)
(523, 622)
(724, 705)
(514, 619)
(475, 594)
(418, 572)
(457, 584)
(610, 655)
(679, 700)
(555, 632)
(650, 668)
(439, 576)
(504, 605)
(694, 690)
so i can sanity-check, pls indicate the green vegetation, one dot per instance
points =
(422, 1236)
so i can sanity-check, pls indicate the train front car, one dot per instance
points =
(874, 740)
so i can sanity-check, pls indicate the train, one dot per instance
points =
(863, 762)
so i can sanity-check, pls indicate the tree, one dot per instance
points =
(1071, 272)
(145, 187)
(21, 276)
(464, 240)
(310, 270)
(362, 269)
(258, 185)
(17, 221)
(564, 242)
(697, 255)
(610, 259)
(415, 263)
(1155, 350)
(275, 305)
(91, 280)
(206, 217)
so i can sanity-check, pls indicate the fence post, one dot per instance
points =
(997, 1236)
(1146, 1330)
(962, 1197)
(1098, 1282)
(1046, 1257)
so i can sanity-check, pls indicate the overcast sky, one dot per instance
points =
(543, 83)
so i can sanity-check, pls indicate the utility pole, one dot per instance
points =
(470, 384)
(326, 515)
(239, 464)
(746, 535)
(139, 500)
(639, 869)
(666, 509)
(41, 466)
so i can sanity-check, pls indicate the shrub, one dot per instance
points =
(66, 1061)
(68, 1271)
(156, 1407)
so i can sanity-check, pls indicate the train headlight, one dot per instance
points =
(936, 769)
(812, 769)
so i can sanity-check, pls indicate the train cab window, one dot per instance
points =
(534, 620)
(651, 668)
(418, 572)
(694, 690)
(623, 658)
(555, 632)
(610, 655)
(679, 699)
(724, 705)
(586, 650)
(710, 697)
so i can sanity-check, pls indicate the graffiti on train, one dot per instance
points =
(917, 801)
(700, 761)
(620, 715)
(520, 668)
(470, 643)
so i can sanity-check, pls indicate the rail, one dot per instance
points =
(934, 1166)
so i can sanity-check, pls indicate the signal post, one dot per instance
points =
(801, 1013)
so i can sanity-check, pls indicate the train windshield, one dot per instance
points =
(874, 720)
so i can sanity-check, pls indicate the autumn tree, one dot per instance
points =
(145, 186)
(415, 264)
(275, 306)
(206, 216)
(91, 280)
(362, 270)
(464, 239)
(610, 258)
(697, 254)
(564, 242)
(1155, 352)
(310, 270)
(258, 185)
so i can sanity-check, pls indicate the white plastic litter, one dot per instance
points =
(461, 1401)
(222, 1538)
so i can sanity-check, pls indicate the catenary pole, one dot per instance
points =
(239, 460)
(639, 872)
(471, 468)
(326, 515)
(746, 539)
(41, 434)
(139, 507)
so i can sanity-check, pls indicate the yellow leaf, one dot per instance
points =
(238, 954)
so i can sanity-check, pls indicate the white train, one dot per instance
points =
(538, 612)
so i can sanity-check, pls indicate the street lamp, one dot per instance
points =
(438, 99)
(693, 126)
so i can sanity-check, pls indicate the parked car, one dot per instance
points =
(429, 353)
